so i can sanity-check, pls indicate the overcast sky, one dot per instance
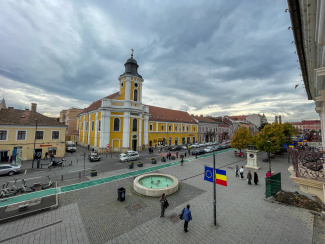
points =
(207, 57)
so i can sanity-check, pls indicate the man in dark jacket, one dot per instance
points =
(187, 216)
(249, 177)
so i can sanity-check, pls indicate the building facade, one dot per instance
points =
(19, 136)
(208, 129)
(121, 122)
(306, 126)
(69, 118)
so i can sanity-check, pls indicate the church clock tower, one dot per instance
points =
(131, 81)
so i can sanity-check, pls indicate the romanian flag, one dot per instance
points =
(305, 140)
(221, 177)
(291, 146)
(299, 142)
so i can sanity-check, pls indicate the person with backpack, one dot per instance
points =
(187, 216)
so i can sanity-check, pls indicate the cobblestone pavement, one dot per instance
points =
(93, 215)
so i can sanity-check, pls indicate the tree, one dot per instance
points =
(289, 131)
(273, 133)
(263, 125)
(241, 138)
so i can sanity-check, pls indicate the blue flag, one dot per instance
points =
(208, 174)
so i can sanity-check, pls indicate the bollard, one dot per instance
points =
(62, 178)
(79, 174)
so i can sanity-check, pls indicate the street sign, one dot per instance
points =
(285, 146)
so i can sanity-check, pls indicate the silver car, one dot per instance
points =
(130, 157)
(8, 169)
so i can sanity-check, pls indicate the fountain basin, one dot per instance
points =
(155, 184)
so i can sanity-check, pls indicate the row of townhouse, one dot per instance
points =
(24, 133)
(306, 126)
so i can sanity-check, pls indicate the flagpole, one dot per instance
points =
(214, 190)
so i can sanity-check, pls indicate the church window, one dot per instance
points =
(98, 125)
(135, 125)
(92, 125)
(136, 84)
(122, 84)
(116, 124)
(135, 95)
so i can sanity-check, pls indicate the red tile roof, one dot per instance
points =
(13, 116)
(238, 117)
(169, 115)
(203, 119)
(95, 105)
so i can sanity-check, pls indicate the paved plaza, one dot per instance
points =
(93, 214)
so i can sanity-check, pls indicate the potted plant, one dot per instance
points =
(140, 164)
(163, 159)
(153, 161)
(93, 173)
(131, 165)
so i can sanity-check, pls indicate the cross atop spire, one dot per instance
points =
(132, 52)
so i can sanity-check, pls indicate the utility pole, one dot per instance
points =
(214, 190)
(34, 144)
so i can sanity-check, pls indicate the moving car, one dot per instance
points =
(130, 157)
(94, 156)
(123, 154)
(8, 169)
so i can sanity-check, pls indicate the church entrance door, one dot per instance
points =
(134, 145)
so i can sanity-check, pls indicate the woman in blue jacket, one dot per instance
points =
(187, 217)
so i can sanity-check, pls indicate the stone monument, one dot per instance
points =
(252, 158)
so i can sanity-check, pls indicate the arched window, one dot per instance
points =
(135, 95)
(116, 124)
(135, 125)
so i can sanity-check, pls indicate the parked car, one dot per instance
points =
(176, 148)
(209, 143)
(201, 145)
(208, 149)
(130, 157)
(8, 169)
(94, 156)
(198, 152)
(184, 147)
(216, 147)
(195, 145)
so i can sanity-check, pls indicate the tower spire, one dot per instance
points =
(132, 52)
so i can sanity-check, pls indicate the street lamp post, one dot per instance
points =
(288, 150)
(269, 145)
(34, 144)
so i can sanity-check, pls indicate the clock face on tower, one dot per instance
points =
(251, 155)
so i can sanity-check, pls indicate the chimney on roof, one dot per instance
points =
(276, 119)
(34, 106)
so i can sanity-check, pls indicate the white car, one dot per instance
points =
(201, 145)
(208, 149)
(123, 154)
(130, 157)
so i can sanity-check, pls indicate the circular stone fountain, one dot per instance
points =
(155, 184)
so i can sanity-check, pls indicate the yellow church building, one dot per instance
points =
(121, 122)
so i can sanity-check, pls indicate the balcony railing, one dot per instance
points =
(308, 162)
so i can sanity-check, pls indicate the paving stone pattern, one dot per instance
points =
(93, 215)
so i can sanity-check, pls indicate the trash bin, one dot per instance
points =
(121, 194)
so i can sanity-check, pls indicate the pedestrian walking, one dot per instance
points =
(185, 153)
(182, 161)
(163, 205)
(255, 177)
(170, 155)
(187, 216)
(241, 171)
(267, 175)
(46, 154)
(249, 177)
(167, 157)
(237, 169)
(176, 154)
(189, 152)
